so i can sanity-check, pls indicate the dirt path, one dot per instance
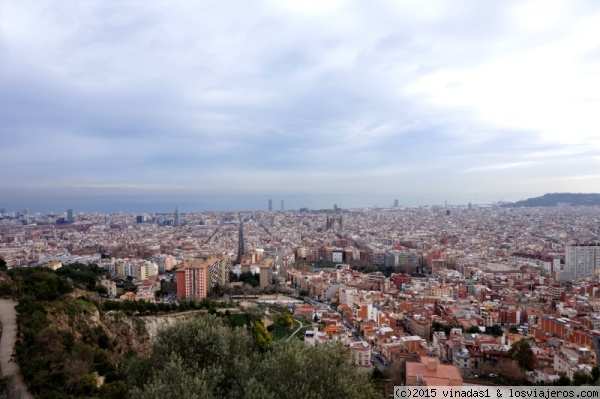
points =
(298, 329)
(8, 318)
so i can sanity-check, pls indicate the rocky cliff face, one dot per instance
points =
(114, 331)
(154, 323)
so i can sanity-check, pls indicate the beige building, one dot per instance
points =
(361, 354)
(429, 372)
(54, 265)
(266, 273)
(111, 286)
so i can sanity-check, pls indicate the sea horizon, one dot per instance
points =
(134, 204)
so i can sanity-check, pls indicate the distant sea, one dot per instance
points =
(197, 203)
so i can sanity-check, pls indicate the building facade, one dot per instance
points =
(193, 281)
(582, 260)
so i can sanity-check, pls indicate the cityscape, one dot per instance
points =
(455, 285)
(298, 199)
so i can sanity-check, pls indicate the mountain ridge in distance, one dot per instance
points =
(554, 199)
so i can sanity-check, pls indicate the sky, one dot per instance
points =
(353, 102)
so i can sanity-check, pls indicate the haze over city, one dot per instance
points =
(137, 107)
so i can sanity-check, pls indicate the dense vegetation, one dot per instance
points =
(54, 362)
(37, 283)
(86, 275)
(205, 358)
(61, 362)
(246, 277)
(143, 307)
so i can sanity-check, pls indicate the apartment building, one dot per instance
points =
(582, 260)
(193, 280)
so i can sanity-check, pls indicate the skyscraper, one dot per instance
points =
(70, 216)
(281, 205)
(270, 205)
(241, 241)
(177, 223)
(396, 203)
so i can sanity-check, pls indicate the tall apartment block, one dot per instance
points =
(195, 277)
(582, 260)
(192, 281)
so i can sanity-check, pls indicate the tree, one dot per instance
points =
(305, 367)
(595, 374)
(473, 330)
(40, 282)
(177, 381)
(581, 378)
(494, 331)
(513, 330)
(18, 288)
(522, 353)
(205, 342)
(398, 372)
(285, 320)
(114, 390)
(204, 358)
(563, 381)
(248, 278)
(511, 371)
(3, 266)
(377, 374)
(437, 326)
(8, 389)
(484, 368)
(102, 290)
(261, 336)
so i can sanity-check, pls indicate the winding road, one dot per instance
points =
(8, 318)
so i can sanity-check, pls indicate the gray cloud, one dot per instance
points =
(354, 97)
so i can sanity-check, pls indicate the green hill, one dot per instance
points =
(554, 199)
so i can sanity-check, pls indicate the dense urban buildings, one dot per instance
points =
(383, 277)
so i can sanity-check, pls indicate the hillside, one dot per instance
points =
(68, 347)
(554, 199)
(71, 343)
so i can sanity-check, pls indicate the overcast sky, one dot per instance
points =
(466, 101)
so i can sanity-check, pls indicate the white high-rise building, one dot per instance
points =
(582, 260)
